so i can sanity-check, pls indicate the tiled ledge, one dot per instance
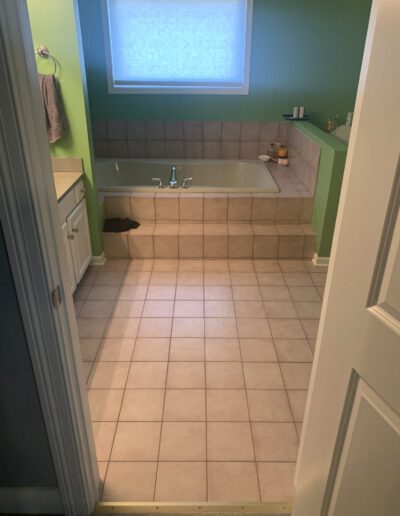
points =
(212, 240)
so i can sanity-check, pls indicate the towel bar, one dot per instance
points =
(44, 52)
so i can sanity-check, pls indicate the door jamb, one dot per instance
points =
(31, 226)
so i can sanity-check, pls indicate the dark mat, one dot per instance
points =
(119, 225)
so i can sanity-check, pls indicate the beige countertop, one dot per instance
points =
(64, 181)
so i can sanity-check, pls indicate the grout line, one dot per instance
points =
(283, 378)
(248, 409)
(126, 380)
(205, 380)
(165, 395)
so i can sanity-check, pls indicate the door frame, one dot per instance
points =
(31, 226)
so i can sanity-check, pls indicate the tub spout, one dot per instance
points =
(173, 183)
(186, 181)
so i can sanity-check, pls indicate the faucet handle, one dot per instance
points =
(159, 180)
(185, 182)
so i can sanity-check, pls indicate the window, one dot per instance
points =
(178, 46)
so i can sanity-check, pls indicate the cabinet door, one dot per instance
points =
(70, 266)
(81, 252)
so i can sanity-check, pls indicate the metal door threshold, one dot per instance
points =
(192, 508)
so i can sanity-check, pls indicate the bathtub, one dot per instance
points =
(220, 176)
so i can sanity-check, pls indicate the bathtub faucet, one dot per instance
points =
(186, 181)
(173, 183)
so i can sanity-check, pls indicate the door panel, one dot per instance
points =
(367, 481)
(389, 295)
(349, 453)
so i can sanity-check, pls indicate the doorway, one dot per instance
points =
(232, 270)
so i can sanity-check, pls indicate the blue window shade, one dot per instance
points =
(179, 45)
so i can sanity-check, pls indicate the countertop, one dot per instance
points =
(64, 181)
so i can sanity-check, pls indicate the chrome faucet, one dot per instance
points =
(186, 181)
(173, 183)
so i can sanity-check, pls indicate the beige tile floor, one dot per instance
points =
(197, 374)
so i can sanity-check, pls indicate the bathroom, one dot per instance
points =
(198, 325)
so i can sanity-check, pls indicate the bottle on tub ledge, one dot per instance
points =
(277, 153)
(282, 155)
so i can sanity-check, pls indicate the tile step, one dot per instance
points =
(212, 241)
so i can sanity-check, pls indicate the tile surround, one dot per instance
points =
(206, 140)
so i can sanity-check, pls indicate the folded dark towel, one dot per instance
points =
(119, 225)
(55, 118)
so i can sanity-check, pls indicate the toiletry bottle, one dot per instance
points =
(328, 125)
(296, 112)
(282, 151)
(271, 151)
(301, 112)
(349, 118)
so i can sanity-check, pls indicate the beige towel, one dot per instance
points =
(55, 119)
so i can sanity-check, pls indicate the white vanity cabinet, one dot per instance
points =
(75, 233)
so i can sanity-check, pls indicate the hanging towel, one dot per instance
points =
(55, 119)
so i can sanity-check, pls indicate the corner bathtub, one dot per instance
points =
(219, 176)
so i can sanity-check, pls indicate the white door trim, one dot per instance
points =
(29, 217)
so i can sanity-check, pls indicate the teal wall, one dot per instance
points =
(57, 26)
(304, 52)
(327, 193)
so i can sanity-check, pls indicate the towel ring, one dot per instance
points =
(44, 52)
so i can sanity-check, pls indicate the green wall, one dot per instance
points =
(327, 193)
(304, 52)
(56, 25)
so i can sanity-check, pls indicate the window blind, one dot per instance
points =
(178, 43)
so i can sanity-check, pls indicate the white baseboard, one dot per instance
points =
(30, 500)
(320, 261)
(99, 260)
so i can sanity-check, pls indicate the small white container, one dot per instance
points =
(349, 118)
(301, 112)
(296, 112)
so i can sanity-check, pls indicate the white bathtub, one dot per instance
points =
(135, 175)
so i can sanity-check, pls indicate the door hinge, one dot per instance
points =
(56, 297)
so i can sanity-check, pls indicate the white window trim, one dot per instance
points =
(184, 90)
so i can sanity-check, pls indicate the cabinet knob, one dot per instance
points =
(71, 236)
(75, 230)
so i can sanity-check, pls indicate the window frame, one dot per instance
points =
(126, 88)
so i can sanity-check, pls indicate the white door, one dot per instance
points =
(349, 459)
(80, 244)
(67, 246)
